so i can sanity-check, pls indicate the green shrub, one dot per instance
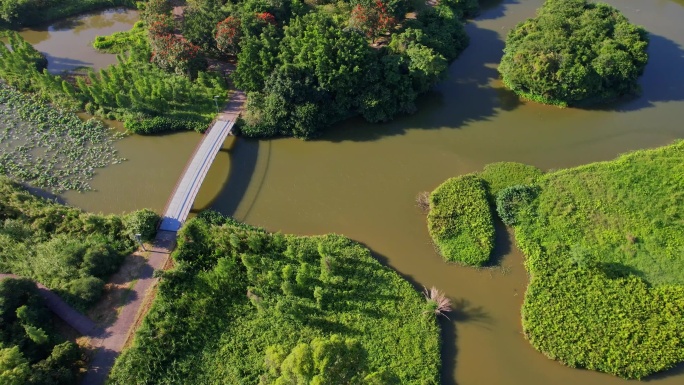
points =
(498, 176)
(460, 220)
(143, 222)
(574, 52)
(162, 124)
(511, 200)
(83, 292)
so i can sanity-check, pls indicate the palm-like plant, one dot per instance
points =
(437, 301)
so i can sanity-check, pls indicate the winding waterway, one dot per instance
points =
(361, 180)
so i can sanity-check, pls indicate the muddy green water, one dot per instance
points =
(68, 43)
(360, 180)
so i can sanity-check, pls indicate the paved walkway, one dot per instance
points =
(111, 341)
(63, 310)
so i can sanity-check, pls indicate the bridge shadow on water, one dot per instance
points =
(464, 97)
(243, 154)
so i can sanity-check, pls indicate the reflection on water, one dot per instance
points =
(68, 43)
(361, 180)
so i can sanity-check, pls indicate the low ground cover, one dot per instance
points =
(574, 52)
(67, 250)
(48, 148)
(31, 351)
(603, 246)
(246, 306)
(460, 220)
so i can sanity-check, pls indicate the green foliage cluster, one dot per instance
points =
(604, 249)
(121, 42)
(342, 73)
(574, 52)
(48, 148)
(31, 352)
(132, 90)
(511, 200)
(246, 306)
(460, 220)
(67, 250)
(160, 124)
(35, 12)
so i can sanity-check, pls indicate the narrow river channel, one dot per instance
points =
(361, 180)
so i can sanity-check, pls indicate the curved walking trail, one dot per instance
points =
(63, 310)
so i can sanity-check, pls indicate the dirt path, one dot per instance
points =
(68, 314)
(111, 340)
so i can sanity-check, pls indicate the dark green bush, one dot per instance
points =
(460, 220)
(512, 199)
(27, 360)
(498, 176)
(161, 124)
(574, 52)
(83, 292)
(143, 222)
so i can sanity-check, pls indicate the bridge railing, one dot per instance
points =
(185, 169)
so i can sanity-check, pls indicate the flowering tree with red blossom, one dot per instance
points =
(228, 34)
(176, 54)
(267, 17)
(373, 19)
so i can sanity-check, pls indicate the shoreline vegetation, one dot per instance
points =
(246, 306)
(69, 251)
(405, 48)
(603, 249)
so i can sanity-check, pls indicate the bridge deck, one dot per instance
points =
(184, 195)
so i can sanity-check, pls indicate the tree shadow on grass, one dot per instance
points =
(466, 96)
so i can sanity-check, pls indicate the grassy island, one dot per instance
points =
(574, 53)
(603, 245)
(243, 306)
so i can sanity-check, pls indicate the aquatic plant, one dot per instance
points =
(49, 148)
(438, 302)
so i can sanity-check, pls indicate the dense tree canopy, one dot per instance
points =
(574, 52)
(330, 63)
(31, 352)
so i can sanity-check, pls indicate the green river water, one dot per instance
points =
(361, 179)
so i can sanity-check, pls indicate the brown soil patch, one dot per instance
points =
(117, 292)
